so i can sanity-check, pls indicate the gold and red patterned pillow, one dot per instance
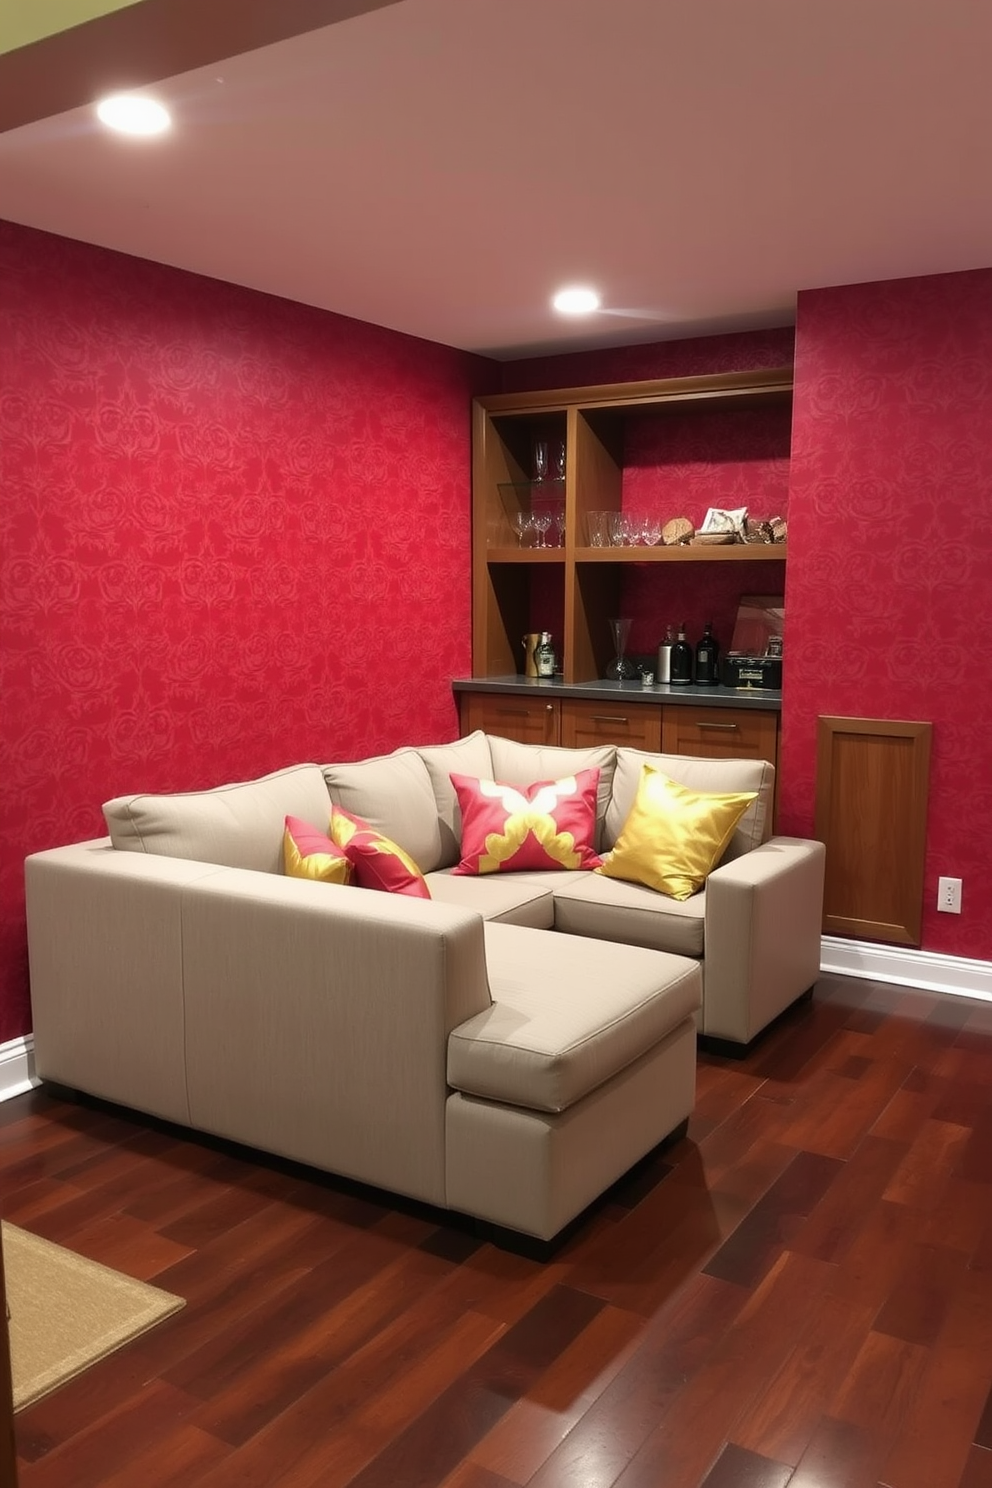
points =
(308, 852)
(514, 829)
(376, 861)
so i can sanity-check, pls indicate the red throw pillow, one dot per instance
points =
(378, 863)
(510, 829)
(307, 852)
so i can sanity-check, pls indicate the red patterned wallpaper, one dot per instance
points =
(889, 589)
(234, 535)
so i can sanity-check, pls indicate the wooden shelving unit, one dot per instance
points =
(590, 421)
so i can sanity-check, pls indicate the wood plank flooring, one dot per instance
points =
(797, 1295)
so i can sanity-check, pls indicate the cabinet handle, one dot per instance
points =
(549, 707)
(725, 728)
(607, 718)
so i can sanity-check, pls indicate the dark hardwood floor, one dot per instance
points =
(799, 1293)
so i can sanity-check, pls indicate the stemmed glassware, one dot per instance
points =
(620, 669)
(540, 520)
(541, 460)
(521, 523)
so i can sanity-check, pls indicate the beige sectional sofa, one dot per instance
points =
(453, 1051)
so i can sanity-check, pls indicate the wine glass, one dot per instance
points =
(541, 460)
(521, 526)
(620, 669)
(558, 460)
(541, 521)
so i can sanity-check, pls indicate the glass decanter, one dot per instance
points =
(620, 669)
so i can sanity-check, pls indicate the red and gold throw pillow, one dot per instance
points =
(512, 829)
(377, 862)
(309, 853)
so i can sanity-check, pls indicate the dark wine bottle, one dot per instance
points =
(707, 654)
(680, 667)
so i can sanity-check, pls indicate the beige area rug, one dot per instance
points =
(67, 1312)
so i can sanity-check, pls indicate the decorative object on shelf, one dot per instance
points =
(680, 664)
(621, 530)
(758, 532)
(678, 530)
(544, 655)
(780, 529)
(718, 520)
(530, 644)
(707, 656)
(665, 655)
(620, 669)
(598, 529)
(713, 539)
(520, 522)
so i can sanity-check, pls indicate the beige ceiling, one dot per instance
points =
(442, 166)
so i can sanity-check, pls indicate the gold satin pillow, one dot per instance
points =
(674, 836)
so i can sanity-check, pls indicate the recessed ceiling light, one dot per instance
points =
(576, 301)
(129, 113)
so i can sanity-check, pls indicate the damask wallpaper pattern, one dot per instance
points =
(234, 534)
(889, 587)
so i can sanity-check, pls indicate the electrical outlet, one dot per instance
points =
(949, 895)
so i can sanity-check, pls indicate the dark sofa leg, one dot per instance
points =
(731, 1049)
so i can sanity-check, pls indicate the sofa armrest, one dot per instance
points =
(105, 968)
(764, 914)
(307, 1019)
(317, 1020)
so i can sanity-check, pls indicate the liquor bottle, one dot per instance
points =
(707, 653)
(681, 663)
(544, 655)
(665, 655)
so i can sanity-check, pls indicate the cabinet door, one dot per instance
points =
(528, 720)
(720, 733)
(587, 723)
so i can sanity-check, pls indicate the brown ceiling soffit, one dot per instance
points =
(149, 41)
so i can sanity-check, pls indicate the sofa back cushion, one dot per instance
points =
(466, 756)
(392, 793)
(237, 826)
(524, 764)
(705, 775)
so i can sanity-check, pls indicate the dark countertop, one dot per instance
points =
(605, 692)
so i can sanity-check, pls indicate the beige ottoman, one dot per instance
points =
(585, 1062)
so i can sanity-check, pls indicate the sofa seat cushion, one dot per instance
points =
(707, 776)
(566, 1017)
(613, 909)
(523, 764)
(466, 756)
(237, 826)
(514, 898)
(392, 793)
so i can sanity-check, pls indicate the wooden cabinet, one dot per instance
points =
(657, 727)
(720, 733)
(586, 724)
(575, 586)
(530, 720)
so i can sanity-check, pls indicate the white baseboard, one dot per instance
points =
(907, 968)
(17, 1067)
